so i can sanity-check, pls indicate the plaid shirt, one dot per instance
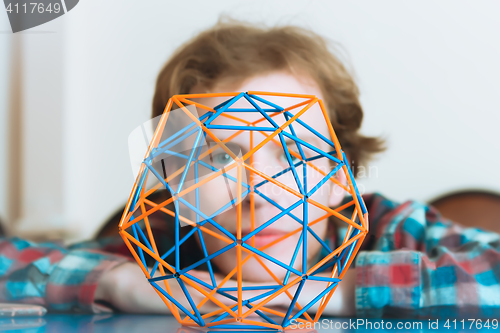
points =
(62, 279)
(414, 263)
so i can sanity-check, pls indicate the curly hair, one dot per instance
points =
(236, 50)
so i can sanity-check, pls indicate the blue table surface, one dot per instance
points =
(158, 323)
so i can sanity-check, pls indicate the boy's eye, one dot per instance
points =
(219, 158)
(293, 158)
(222, 158)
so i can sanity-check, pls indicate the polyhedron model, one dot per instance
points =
(248, 178)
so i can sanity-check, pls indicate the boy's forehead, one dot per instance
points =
(312, 117)
(280, 82)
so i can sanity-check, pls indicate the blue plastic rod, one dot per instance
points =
(260, 99)
(317, 298)
(238, 128)
(361, 202)
(204, 260)
(161, 278)
(177, 252)
(250, 110)
(301, 152)
(268, 223)
(223, 108)
(324, 180)
(294, 257)
(271, 259)
(249, 288)
(304, 232)
(173, 136)
(138, 190)
(289, 159)
(188, 163)
(141, 254)
(294, 301)
(265, 181)
(319, 151)
(298, 220)
(322, 278)
(173, 300)
(261, 111)
(162, 150)
(190, 300)
(141, 233)
(319, 135)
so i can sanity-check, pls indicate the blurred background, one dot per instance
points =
(72, 90)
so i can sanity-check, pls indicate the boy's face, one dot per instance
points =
(270, 159)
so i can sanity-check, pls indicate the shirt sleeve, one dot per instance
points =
(422, 265)
(62, 279)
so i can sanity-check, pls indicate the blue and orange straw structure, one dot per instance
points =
(140, 206)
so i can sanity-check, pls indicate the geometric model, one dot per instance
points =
(208, 154)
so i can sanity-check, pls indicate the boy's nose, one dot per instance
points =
(266, 165)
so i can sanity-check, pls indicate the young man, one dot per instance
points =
(414, 264)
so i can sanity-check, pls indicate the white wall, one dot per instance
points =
(430, 80)
(428, 72)
(33, 129)
(5, 43)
